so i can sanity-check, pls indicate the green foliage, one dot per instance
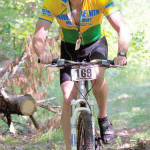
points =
(17, 21)
(137, 42)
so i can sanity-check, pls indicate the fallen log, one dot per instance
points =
(19, 104)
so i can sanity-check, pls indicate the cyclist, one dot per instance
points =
(82, 39)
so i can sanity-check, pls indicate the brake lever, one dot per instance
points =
(56, 63)
(115, 66)
(60, 62)
(47, 65)
(105, 63)
(109, 64)
(112, 64)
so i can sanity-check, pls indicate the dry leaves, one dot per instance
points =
(31, 75)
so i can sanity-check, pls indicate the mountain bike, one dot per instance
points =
(83, 135)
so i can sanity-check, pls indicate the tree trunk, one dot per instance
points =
(21, 105)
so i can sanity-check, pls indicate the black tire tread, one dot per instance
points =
(85, 123)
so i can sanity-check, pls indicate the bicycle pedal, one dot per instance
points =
(98, 143)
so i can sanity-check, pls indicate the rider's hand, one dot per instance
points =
(120, 60)
(46, 58)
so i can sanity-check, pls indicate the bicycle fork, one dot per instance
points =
(76, 110)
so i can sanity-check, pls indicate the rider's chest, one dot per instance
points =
(75, 16)
(87, 16)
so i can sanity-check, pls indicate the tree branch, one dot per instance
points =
(54, 109)
(45, 100)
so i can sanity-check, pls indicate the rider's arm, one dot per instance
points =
(113, 15)
(118, 23)
(112, 12)
(40, 36)
(41, 31)
(39, 41)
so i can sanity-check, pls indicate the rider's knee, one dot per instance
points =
(101, 81)
(99, 84)
(69, 92)
(67, 101)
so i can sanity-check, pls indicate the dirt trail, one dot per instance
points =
(25, 140)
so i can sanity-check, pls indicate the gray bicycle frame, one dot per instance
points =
(76, 110)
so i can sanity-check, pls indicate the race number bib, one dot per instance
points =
(84, 73)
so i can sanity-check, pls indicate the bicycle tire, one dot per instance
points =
(85, 132)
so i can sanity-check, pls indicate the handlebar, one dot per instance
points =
(69, 63)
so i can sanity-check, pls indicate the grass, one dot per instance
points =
(141, 135)
(131, 106)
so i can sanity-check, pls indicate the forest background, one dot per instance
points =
(129, 96)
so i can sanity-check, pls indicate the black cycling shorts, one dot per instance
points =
(95, 50)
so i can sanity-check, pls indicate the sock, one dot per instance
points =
(100, 120)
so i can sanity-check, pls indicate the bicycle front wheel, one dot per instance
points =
(85, 133)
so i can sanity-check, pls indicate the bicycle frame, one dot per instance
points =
(76, 110)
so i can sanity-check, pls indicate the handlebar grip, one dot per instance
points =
(39, 61)
(58, 62)
(54, 61)
(111, 62)
(106, 63)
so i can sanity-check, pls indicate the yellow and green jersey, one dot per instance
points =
(90, 25)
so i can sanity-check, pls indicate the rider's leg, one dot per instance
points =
(100, 91)
(69, 93)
